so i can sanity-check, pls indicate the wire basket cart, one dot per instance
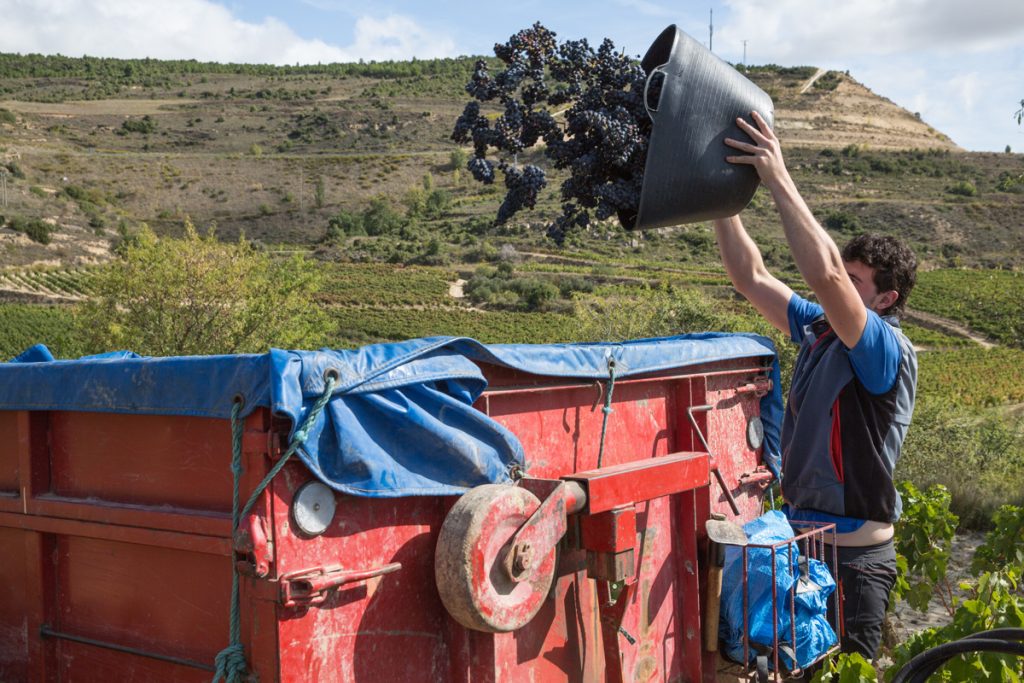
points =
(778, 661)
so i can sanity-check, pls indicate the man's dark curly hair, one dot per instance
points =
(894, 263)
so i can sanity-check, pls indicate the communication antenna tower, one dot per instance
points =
(744, 53)
(711, 29)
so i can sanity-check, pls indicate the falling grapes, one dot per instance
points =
(585, 105)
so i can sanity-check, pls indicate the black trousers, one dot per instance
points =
(866, 575)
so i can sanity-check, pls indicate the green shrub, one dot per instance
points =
(829, 80)
(33, 228)
(7, 116)
(1004, 545)
(344, 224)
(15, 170)
(457, 159)
(145, 125)
(197, 295)
(842, 221)
(1010, 182)
(963, 188)
(380, 219)
(993, 601)
(924, 538)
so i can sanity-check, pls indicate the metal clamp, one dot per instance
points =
(760, 477)
(311, 586)
(759, 386)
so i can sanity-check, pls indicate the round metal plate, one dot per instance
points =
(755, 432)
(313, 508)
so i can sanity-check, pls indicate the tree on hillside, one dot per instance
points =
(198, 295)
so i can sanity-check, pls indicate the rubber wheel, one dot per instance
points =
(468, 561)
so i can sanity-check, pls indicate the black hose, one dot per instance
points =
(1001, 640)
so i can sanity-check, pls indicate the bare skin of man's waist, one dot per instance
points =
(870, 533)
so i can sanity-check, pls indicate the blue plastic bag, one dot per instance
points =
(805, 582)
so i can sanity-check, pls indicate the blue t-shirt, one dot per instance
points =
(875, 360)
(876, 356)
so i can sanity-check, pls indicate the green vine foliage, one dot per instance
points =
(924, 538)
(1004, 545)
(993, 601)
(847, 668)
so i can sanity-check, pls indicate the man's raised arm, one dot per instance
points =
(745, 266)
(814, 252)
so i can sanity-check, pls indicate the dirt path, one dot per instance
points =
(810, 82)
(123, 107)
(455, 289)
(947, 326)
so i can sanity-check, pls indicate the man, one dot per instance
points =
(853, 386)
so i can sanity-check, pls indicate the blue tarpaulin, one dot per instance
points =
(400, 421)
(801, 584)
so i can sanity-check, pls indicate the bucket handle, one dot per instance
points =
(647, 85)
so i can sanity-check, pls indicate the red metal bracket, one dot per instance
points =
(253, 544)
(610, 541)
(546, 526)
(613, 487)
(606, 497)
(312, 586)
(760, 386)
(760, 477)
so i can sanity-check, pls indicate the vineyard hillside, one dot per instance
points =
(93, 148)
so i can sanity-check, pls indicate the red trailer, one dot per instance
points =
(578, 553)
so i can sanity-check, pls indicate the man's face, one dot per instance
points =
(862, 278)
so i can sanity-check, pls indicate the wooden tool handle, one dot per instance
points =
(711, 608)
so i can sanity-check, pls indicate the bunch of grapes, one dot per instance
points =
(587, 107)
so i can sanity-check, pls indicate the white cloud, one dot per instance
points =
(799, 31)
(957, 63)
(198, 29)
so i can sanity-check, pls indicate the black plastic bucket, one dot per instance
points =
(686, 176)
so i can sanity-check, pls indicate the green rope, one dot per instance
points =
(230, 662)
(607, 410)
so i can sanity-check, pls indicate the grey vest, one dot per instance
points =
(840, 442)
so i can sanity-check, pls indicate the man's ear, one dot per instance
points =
(888, 299)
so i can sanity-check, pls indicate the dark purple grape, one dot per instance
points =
(601, 139)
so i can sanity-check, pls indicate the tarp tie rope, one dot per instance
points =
(607, 410)
(230, 662)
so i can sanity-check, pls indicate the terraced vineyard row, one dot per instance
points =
(67, 283)
(24, 325)
(923, 337)
(972, 377)
(988, 301)
(377, 284)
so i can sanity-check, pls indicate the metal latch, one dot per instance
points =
(759, 386)
(760, 477)
(311, 586)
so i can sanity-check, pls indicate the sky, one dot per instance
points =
(959, 64)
